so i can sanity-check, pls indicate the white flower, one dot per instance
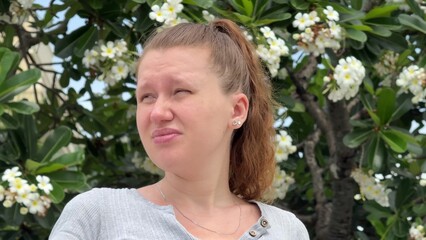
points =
(174, 21)
(280, 184)
(23, 211)
(417, 232)
(90, 58)
(24, 198)
(44, 183)
(2, 191)
(120, 70)
(267, 32)
(7, 203)
(11, 174)
(313, 18)
(36, 206)
(413, 79)
(171, 10)
(108, 50)
(26, 4)
(371, 189)
(121, 47)
(301, 21)
(158, 14)
(19, 186)
(348, 75)
(284, 146)
(331, 14)
(208, 16)
(335, 30)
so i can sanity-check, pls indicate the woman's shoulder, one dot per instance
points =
(284, 220)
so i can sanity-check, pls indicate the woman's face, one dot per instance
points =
(184, 118)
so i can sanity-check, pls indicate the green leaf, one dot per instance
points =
(358, 27)
(413, 21)
(116, 28)
(404, 105)
(381, 31)
(400, 228)
(248, 7)
(259, 7)
(381, 11)
(420, 209)
(375, 153)
(24, 107)
(385, 22)
(385, 104)
(95, 4)
(68, 179)
(57, 194)
(414, 5)
(404, 192)
(86, 41)
(59, 138)
(272, 17)
(31, 165)
(8, 62)
(242, 18)
(13, 215)
(356, 4)
(395, 42)
(356, 35)
(395, 142)
(62, 162)
(18, 83)
(357, 137)
(201, 3)
(8, 122)
(65, 47)
(300, 5)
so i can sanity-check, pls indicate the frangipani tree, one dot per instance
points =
(350, 78)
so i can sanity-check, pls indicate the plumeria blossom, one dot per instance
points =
(318, 34)
(280, 185)
(19, 11)
(208, 16)
(272, 50)
(386, 67)
(167, 13)
(31, 197)
(11, 174)
(113, 60)
(346, 79)
(284, 146)
(158, 13)
(370, 189)
(417, 232)
(413, 79)
(422, 180)
(44, 184)
(331, 14)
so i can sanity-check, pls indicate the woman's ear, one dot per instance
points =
(240, 109)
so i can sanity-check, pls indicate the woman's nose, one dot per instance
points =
(161, 111)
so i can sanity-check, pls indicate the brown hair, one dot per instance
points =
(252, 163)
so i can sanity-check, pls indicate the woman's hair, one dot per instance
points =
(252, 163)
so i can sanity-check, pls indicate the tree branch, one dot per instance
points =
(322, 209)
(300, 81)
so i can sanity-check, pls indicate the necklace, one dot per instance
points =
(194, 222)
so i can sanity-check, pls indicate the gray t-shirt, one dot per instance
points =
(105, 213)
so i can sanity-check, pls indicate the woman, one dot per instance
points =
(204, 115)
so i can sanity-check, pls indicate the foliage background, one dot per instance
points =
(82, 147)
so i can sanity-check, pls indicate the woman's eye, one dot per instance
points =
(147, 98)
(182, 91)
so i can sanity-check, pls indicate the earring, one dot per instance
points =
(236, 123)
